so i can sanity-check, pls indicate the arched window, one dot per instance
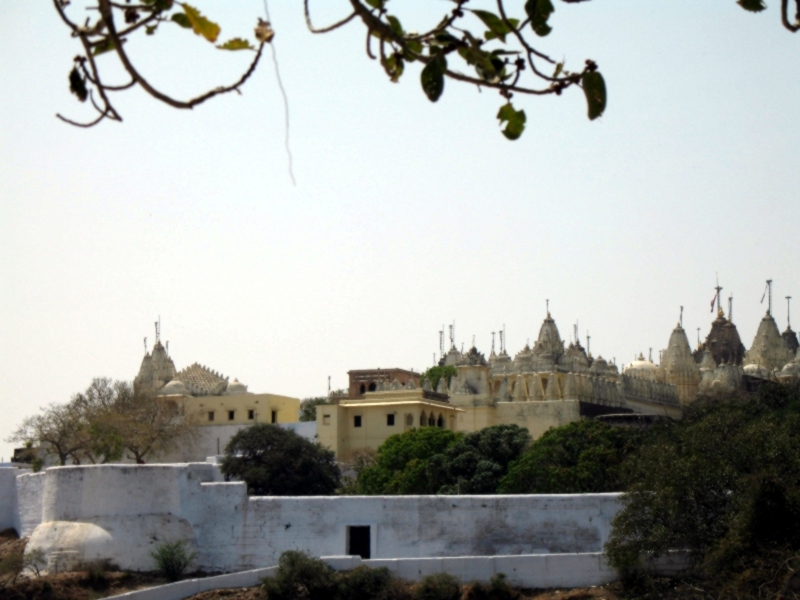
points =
(372, 386)
(363, 388)
(440, 421)
(422, 420)
(431, 420)
(409, 420)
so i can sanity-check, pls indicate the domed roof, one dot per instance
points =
(599, 365)
(236, 387)
(754, 370)
(452, 358)
(791, 372)
(472, 358)
(549, 341)
(769, 349)
(723, 341)
(174, 388)
(641, 367)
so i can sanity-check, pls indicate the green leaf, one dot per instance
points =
(594, 87)
(375, 3)
(539, 12)
(150, 29)
(432, 78)
(752, 5)
(182, 20)
(201, 25)
(514, 120)
(497, 28)
(105, 46)
(394, 25)
(159, 4)
(394, 66)
(236, 44)
(415, 46)
(558, 69)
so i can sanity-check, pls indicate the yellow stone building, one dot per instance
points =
(209, 400)
(359, 423)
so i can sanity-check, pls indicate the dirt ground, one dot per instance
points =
(592, 593)
(89, 585)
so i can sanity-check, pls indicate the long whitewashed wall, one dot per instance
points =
(122, 512)
(8, 498)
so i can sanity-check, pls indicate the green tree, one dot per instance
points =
(724, 485)
(401, 462)
(434, 374)
(273, 461)
(582, 457)
(308, 407)
(491, 50)
(431, 460)
(478, 461)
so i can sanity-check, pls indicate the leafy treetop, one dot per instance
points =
(488, 49)
(273, 461)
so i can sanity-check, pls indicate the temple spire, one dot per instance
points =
(681, 320)
(788, 312)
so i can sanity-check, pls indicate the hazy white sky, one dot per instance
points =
(406, 215)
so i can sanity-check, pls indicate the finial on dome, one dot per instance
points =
(548, 307)
(145, 345)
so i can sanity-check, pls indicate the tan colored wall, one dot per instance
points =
(339, 433)
(536, 417)
(197, 409)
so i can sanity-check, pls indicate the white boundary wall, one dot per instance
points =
(527, 571)
(122, 512)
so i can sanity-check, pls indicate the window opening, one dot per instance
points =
(390, 420)
(274, 416)
(357, 421)
(211, 415)
(372, 387)
(251, 414)
(231, 415)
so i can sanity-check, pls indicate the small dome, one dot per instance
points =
(174, 388)
(791, 372)
(641, 367)
(754, 370)
(236, 387)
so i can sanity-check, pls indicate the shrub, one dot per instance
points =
(496, 589)
(439, 586)
(363, 583)
(10, 568)
(300, 576)
(173, 559)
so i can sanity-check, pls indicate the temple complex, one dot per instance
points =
(552, 384)
(207, 397)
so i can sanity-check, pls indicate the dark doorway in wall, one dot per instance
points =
(358, 541)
